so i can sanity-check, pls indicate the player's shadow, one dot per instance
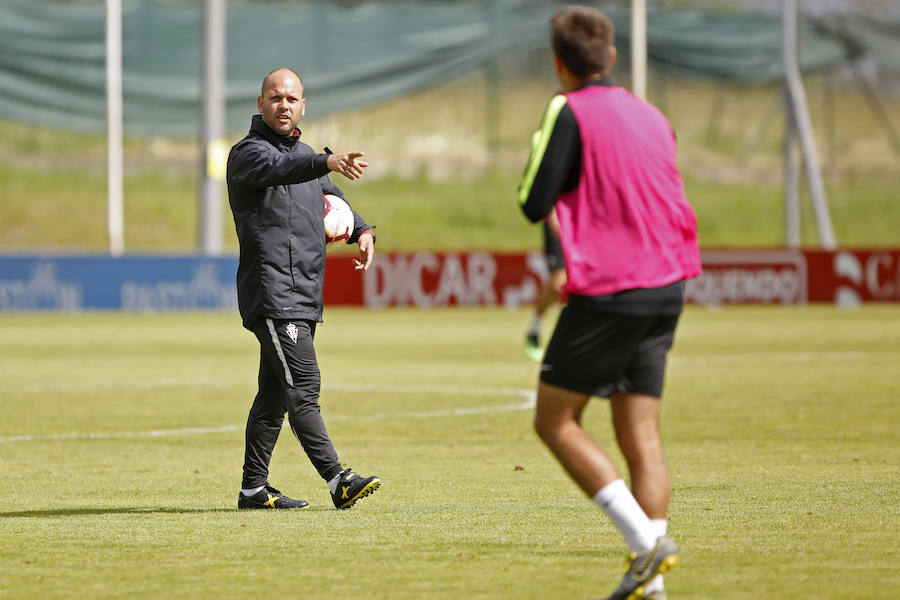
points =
(111, 510)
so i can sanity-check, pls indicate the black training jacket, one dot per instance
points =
(275, 187)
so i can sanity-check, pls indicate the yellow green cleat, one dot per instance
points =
(533, 348)
(641, 568)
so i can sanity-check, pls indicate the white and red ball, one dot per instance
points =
(338, 220)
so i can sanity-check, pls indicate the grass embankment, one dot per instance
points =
(66, 210)
(446, 163)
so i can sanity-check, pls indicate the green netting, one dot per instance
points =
(865, 35)
(52, 55)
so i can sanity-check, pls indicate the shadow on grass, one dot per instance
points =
(136, 510)
(112, 510)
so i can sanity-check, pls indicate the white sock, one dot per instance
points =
(333, 483)
(250, 492)
(659, 527)
(659, 530)
(616, 500)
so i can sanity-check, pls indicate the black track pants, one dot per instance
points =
(289, 382)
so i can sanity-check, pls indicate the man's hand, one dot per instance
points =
(347, 164)
(366, 251)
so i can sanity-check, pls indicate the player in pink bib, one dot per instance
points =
(604, 162)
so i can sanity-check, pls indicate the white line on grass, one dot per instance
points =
(454, 390)
(450, 412)
(783, 357)
(121, 435)
(219, 383)
(774, 357)
(120, 385)
(372, 388)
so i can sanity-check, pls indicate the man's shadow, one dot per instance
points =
(134, 510)
(112, 510)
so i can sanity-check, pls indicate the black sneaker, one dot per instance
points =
(351, 487)
(269, 497)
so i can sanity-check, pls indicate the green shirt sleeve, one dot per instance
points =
(539, 142)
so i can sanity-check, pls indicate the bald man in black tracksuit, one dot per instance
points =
(275, 188)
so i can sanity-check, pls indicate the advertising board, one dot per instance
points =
(846, 277)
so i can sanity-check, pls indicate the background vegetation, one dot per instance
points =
(445, 164)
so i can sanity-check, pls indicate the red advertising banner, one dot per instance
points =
(850, 277)
(478, 278)
(750, 277)
(430, 280)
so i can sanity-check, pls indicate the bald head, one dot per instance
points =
(281, 100)
(278, 73)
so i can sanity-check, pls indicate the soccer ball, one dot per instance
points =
(338, 220)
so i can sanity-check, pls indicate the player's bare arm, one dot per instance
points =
(553, 222)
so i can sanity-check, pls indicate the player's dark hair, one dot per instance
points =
(581, 38)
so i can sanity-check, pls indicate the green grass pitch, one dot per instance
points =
(121, 443)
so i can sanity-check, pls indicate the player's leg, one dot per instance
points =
(263, 427)
(557, 422)
(586, 356)
(292, 355)
(303, 384)
(635, 419)
(636, 422)
(590, 353)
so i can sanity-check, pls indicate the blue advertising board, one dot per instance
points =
(133, 283)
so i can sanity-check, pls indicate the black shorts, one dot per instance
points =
(600, 354)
